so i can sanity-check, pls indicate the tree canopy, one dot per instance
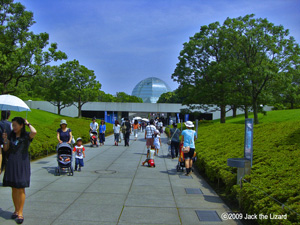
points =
(237, 63)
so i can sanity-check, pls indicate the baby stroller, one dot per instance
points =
(181, 160)
(64, 159)
(93, 138)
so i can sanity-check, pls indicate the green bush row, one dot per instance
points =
(276, 166)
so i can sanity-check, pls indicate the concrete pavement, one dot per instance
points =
(113, 188)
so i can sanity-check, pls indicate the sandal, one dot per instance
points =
(14, 216)
(20, 219)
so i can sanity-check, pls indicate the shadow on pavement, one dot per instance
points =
(50, 170)
(5, 214)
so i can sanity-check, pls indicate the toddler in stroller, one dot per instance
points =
(93, 138)
(64, 159)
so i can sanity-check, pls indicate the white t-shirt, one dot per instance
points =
(94, 126)
(79, 151)
(117, 129)
(150, 129)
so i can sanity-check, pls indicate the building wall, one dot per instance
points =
(72, 111)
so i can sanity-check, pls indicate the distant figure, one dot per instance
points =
(117, 131)
(102, 130)
(174, 135)
(17, 172)
(136, 129)
(188, 139)
(126, 127)
(94, 129)
(157, 141)
(149, 134)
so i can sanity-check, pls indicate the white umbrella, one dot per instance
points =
(12, 103)
(137, 118)
(146, 120)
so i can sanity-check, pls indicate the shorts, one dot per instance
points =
(190, 154)
(79, 161)
(150, 141)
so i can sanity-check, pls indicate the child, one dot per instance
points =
(79, 154)
(150, 157)
(157, 141)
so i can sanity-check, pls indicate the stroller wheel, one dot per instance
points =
(177, 168)
(182, 169)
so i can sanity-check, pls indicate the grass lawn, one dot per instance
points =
(46, 125)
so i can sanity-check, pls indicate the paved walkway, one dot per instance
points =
(113, 188)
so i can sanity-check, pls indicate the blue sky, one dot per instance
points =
(125, 41)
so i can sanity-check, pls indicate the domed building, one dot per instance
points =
(150, 89)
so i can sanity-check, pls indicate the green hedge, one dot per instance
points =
(276, 165)
(46, 125)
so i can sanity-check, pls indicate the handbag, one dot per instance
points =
(73, 139)
(170, 140)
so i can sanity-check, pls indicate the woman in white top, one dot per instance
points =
(117, 129)
(149, 134)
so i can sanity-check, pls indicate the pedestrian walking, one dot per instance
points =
(79, 154)
(157, 142)
(117, 131)
(102, 129)
(174, 135)
(126, 129)
(136, 129)
(17, 172)
(64, 134)
(149, 134)
(94, 126)
(188, 139)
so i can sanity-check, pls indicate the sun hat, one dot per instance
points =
(79, 139)
(63, 122)
(189, 124)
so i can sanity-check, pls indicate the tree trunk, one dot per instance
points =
(255, 111)
(246, 112)
(234, 108)
(58, 108)
(223, 113)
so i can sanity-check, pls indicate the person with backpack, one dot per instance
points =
(5, 126)
(126, 129)
(64, 134)
(174, 135)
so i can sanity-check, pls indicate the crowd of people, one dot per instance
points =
(15, 142)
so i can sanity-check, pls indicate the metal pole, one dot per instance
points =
(197, 122)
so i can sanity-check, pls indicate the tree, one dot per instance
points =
(236, 64)
(104, 97)
(22, 52)
(123, 97)
(84, 86)
(267, 55)
(170, 97)
(202, 72)
(54, 85)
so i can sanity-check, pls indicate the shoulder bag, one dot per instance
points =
(170, 140)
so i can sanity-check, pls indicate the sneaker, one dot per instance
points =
(79, 170)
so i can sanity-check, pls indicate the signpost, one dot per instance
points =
(248, 146)
(197, 122)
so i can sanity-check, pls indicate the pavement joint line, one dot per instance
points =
(172, 187)
(99, 176)
(131, 185)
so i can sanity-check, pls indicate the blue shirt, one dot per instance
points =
(189, 138)
(102, 128)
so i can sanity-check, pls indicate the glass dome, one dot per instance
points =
(150, 89)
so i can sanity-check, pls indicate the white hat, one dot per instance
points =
(189, 124)
(63, 122)
(79, 139)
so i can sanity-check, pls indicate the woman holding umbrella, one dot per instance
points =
(17, 173)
